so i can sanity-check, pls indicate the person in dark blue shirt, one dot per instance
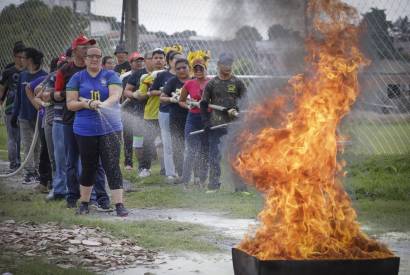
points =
(26, 114)
(177, 114)
(9, 80)
(163, 117)
(97, 127)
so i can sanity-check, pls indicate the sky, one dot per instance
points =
(178, 15)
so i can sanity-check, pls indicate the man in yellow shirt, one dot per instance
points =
(151, 110)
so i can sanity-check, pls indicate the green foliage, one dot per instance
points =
(49, 29)
(248, 33)
(376, 40)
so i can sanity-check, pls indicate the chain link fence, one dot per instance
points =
(266, 36)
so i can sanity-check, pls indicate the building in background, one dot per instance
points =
(79, 6)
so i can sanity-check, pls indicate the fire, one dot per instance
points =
(307, 213)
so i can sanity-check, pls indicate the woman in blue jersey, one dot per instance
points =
(94, 95)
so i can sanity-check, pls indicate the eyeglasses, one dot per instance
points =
(138, 60)
(181, 68)
(96, 56)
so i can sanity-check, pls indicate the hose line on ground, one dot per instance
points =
(30, 152)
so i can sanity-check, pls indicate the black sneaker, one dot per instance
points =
(28, 179)
(71, 204)
(121, 210)
(36, 176)
(104, 207)
(83, 209)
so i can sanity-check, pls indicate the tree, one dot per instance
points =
(376, 41)
(49, 29)
(404, 25)
(277, 31)
(248, 33)
(184, 34)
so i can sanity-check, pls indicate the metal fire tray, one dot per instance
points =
(244, 264)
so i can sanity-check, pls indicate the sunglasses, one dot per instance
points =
(181, 68)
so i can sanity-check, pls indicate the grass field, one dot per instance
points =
(378, 138)
(379, 185)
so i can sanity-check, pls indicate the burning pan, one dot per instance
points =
(244, 264)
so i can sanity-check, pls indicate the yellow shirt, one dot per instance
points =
(151, 109)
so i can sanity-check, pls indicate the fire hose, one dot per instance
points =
(196, 104)
(225, 125)
(30, 152)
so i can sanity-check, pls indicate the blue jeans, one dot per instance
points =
(196, 150)
(215, 157)
(59, 180)
(13, 143)
(74, 169)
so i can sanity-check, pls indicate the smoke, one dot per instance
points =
(229, 15)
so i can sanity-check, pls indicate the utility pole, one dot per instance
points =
(131, 24)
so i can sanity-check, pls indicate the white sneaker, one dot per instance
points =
(144, 173)
(50, 195)
(170, 180)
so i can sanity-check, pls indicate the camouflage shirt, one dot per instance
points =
(224, 93)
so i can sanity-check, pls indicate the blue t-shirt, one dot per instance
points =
(22, 106)
(103, 121)
(33, 85)
(159, 83)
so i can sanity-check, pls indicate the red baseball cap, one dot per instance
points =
(82, 40)
(135, 55)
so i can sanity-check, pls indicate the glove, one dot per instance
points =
(45, 104)
(232, 113)
(190, 104)
(13, 122)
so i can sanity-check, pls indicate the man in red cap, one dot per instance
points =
(64, 130)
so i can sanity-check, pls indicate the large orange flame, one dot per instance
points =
(307, 213)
